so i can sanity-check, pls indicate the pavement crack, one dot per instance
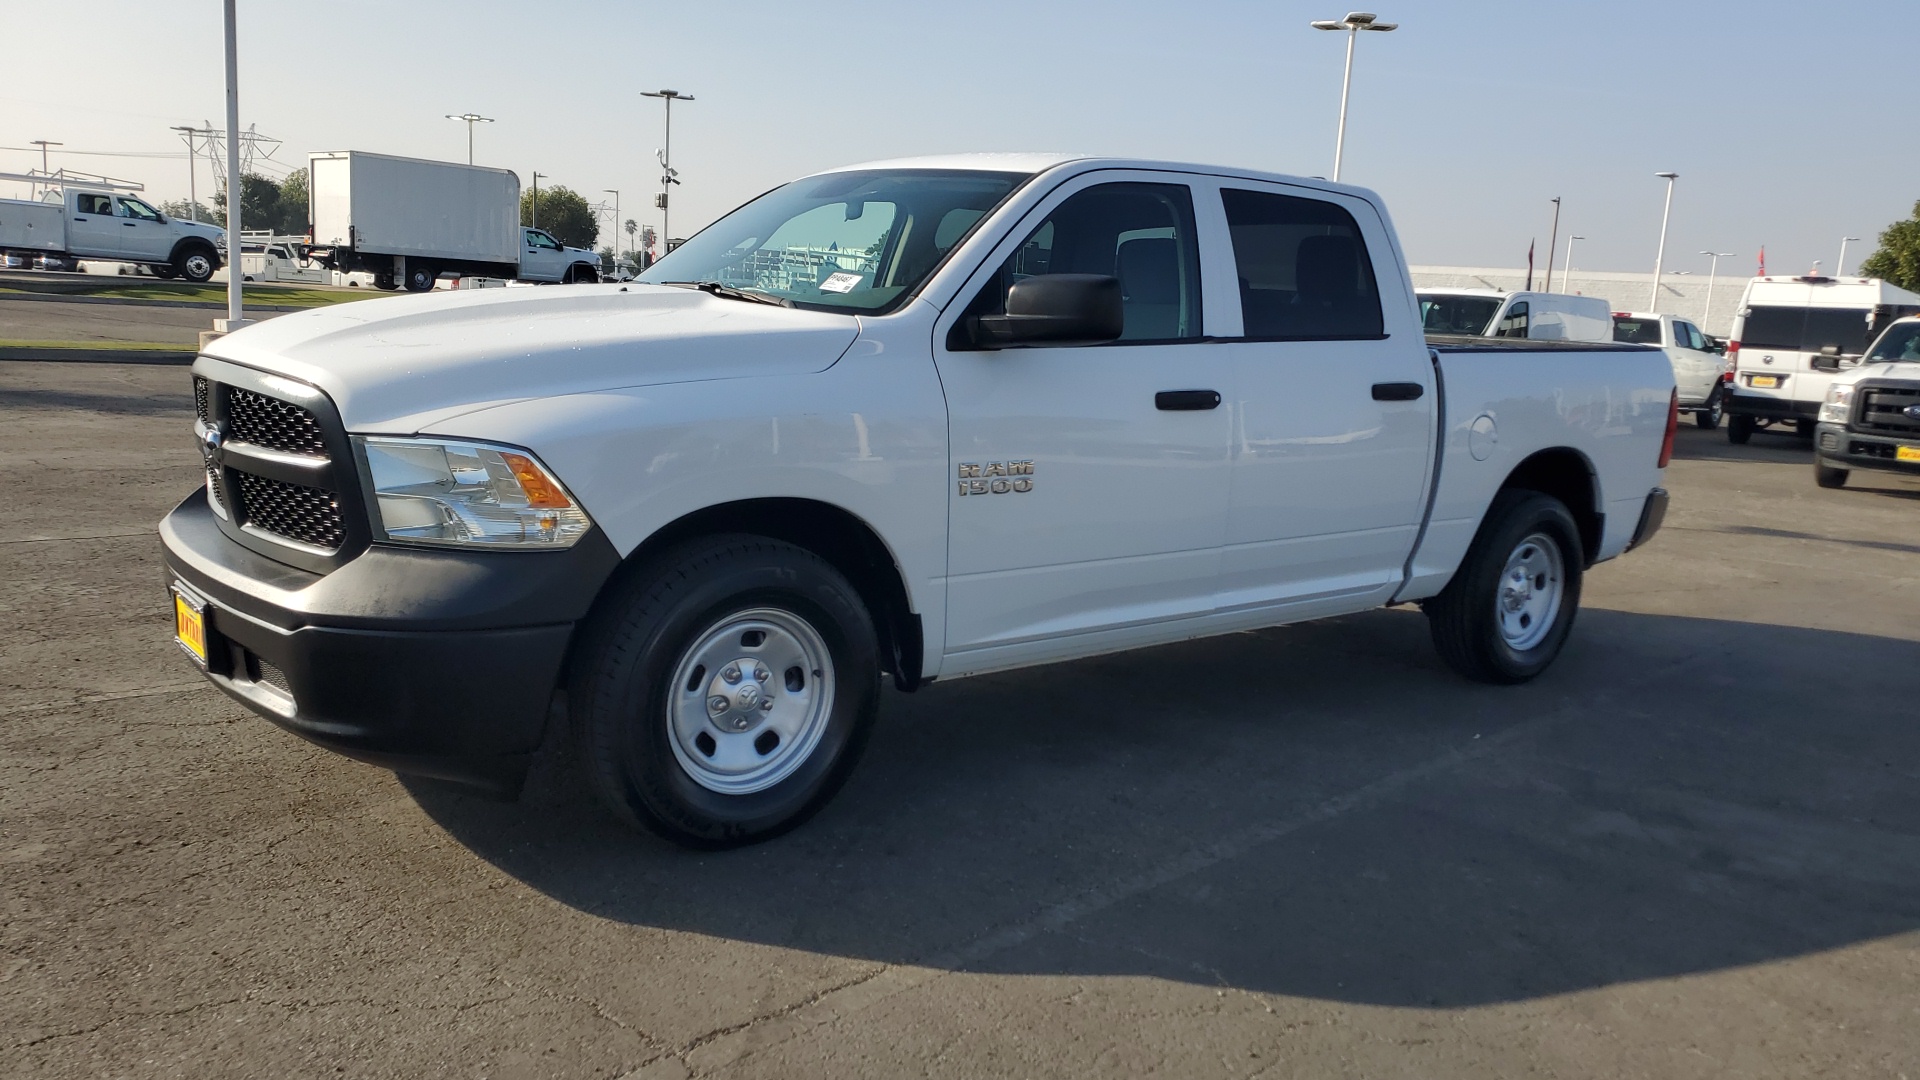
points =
(158, 1014)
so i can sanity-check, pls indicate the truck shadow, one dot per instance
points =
(1323, 811)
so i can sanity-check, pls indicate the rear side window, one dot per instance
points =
(1631, 331)
(1303, 267)
(1514, 322)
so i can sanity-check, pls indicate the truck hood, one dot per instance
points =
(1897, 369)
(401, 364)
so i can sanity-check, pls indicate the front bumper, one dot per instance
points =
(1837, 448)
(435, 662)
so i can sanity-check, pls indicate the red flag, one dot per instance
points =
(1763, 261)
(1530, 265)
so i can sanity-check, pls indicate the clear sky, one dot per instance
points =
(1789, 127)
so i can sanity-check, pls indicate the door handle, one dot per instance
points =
(1186, 400)
(1397, 391)
(130, 224)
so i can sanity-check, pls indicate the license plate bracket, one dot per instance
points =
(1763, 382)
(190, 624)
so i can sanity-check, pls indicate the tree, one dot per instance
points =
(565, 213)
(186, 211)
(267, 206)
(293, 203)
(1898, 258)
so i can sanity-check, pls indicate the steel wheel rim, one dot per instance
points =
(1531, 589)
(198, 265)
(1717, 409)
(749, 700)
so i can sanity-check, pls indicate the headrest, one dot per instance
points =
(1150, 270)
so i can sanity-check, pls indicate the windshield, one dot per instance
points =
(1900, 342)
(1806, 329)
(1458, 314)
(849, 241)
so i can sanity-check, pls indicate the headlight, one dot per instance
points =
(444, 491)
(1839, 401)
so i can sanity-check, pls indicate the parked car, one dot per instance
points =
(85, 223)
(1871, 416)
(930, 418)
(1792, 335)
(1540, 316)
(1699, 366)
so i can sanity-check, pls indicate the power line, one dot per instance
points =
(105, 153)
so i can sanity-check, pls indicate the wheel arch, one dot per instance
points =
(191, 243)
(847, 542)
(1567, 475)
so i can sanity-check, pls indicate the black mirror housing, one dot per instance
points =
(1056, 309)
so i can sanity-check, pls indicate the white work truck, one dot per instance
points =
(408, 221)
(110, 226)
(1870, 419)
(927, 419)
(1699, 366)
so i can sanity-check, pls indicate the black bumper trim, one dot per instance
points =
(1841, 456)
(438, 663)
(1765, 408)
(1652, 516)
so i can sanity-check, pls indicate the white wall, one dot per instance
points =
(1679, 295)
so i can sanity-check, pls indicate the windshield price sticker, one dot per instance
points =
(840, 282)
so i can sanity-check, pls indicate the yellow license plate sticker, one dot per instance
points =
(190, 627)
(1764, 381)
(1906, 453)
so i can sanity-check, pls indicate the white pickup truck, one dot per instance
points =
(1699, 367)
(927, 418)
(111, 227)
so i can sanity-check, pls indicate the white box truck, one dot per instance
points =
(408, 221)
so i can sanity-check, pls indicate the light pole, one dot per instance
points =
(1566, 272)
(471, 119)
(536, 197)
(1552, 242)
(234, 319)
(668, 177)
(1355, 22)
(1713, 274)
(1660, 258)
(1840, 267)
(616, 220)
(45, 169)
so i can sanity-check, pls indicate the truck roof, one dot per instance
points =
(1036, 162)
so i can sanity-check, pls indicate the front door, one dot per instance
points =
(142, 234)
(1696, 369)
(92, 226)
(1334, 406)
(541, 258)
(1087, 496)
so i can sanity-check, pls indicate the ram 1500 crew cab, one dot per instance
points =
(1699, 366)
(1871, 417)
(926, 418)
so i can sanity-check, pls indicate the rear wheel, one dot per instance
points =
(384, 279)
(1827, 476)
(1739, 429)
(421, 278)
(1506, 613)
(723, 695)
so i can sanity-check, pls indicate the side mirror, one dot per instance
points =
(1056, 309)
(1828, 360)
(1829, 350)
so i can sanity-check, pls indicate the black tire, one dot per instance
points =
(384, 279)
(196, 264)
(420, 278)
(1803, 428)
(1708, 417)
(1739, 430)
(582, 274)
(1464, 618)
(164, 271)
(622, 676)
(1827, 476)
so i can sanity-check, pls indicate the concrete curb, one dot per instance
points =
(62, 298)
(102, 356)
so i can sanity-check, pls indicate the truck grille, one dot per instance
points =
(202, 395)
(1883, 409)
(307, 515)
(273, 424)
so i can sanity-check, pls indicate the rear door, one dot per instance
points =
(1088, 486)
(92, 226)
(1333, 405)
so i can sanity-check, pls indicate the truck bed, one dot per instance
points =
(32, 226)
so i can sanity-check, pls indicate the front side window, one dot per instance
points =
(1304, 270)
(1441, 314)
(859, 242)
(136, 209)
(1514, 322)
(1900, 342)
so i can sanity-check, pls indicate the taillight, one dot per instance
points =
(1673, 426)
(1733, 351)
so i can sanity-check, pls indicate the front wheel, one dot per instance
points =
(722, 695)
(196, 265)
(1507, 612)
(1803, 428)
(1739, 430)
(421, 278)
(582, 274)
(1827, 476)
(1709, 415)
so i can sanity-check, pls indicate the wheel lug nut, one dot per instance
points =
(740, 723)
(717, 704)
(759, 674)
(766, 704)
(731, 674)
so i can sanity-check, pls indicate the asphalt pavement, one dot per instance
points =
(1691, 849)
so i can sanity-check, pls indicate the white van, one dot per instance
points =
(1541, 316)
(1792, 335)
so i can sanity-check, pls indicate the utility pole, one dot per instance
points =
(45, 169)
(471, 119)
(616, 220)
(188, 132)
(536, 197)
(1553, 243)
(1355, 22)
(668, 177)
(1660, 258)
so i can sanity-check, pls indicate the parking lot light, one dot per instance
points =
(1355, 22)
(471, 119)
(1840, 267)
(1660, 257)
(1712, 273)
(1566, 272)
